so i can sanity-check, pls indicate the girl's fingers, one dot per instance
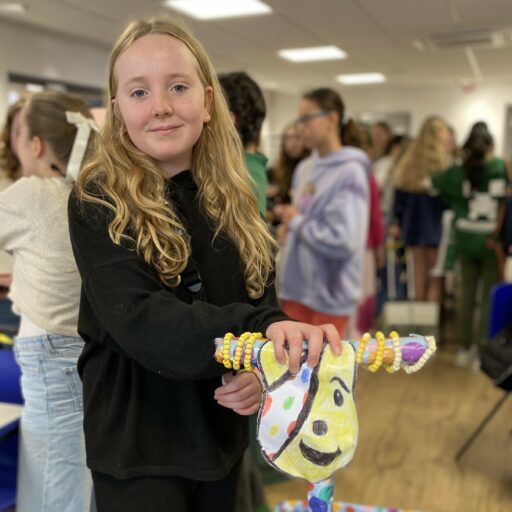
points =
(315, 344)
(242, 385)
(248, 411)
(295, 338)
(278, 338)
(332, 336)
(240, 404)
(242, 394)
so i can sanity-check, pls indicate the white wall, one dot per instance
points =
(36, 53)
(487, 102)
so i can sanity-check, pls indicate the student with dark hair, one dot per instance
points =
(327, 226)
(474, 190)
(247, 106)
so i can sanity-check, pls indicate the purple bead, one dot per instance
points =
(412, 351)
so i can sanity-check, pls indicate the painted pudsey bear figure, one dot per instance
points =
(308, 426)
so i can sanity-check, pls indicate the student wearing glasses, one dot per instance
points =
(326, 227)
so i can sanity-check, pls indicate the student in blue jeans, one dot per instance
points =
(45, 291)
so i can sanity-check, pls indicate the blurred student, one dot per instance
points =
(247, 107)
(418, 213)
(325, 231)
(52, 473)
(10, 171)
(475, 192)
(292, 151)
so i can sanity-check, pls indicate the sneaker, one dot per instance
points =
(463, 358)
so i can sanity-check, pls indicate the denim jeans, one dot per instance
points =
(52, 474)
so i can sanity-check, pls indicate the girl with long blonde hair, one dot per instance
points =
(417, 212)
(173, 253)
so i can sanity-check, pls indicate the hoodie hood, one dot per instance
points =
(342, 156)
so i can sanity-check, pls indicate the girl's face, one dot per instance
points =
(161, 100)
(15, 133)
(292, 143)
(315, 124)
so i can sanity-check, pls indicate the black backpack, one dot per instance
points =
(496, 357)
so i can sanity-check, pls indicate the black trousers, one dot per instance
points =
(165, 494)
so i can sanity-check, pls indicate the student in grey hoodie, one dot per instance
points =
(326, 227)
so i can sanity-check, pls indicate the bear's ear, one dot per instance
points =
(270, 369)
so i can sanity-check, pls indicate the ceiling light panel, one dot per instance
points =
(361, 78)
(217, 9)
(314, 53)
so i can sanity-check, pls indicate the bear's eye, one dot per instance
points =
(338, 398)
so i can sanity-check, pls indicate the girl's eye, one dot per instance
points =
(179, 88)
(338, 398)
(139, 93)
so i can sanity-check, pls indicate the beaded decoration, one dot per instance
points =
(381, 345)
(248, 350)
(431, 348)
(226, 348)
(365, 338)
(239, 349)
(397, 353)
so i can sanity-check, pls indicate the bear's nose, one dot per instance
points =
(319, 428)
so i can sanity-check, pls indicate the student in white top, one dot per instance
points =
(52, 474)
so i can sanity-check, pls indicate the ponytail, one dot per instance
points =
(476, 149)
(352, 135)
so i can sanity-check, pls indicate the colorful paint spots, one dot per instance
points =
(318, 505)
(288, 403)
(274, 429)
(266, 407)
(291, 426)
(304, 376)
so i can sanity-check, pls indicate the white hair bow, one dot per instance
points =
(84, 126)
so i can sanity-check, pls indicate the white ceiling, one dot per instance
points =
(378, 35)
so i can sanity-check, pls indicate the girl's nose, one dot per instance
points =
(162, 106)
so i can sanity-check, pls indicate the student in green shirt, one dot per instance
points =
(474, 191)
(247, 106)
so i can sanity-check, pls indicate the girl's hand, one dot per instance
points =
(281, 232)
(241, 392)
(294, 333)
(288, 213)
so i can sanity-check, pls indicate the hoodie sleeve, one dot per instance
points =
(342, 230)
(125, 303)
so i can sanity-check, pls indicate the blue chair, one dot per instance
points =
(10, 392)
(500, 312)
(499, 317)
(10, 373)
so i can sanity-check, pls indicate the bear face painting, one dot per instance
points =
(307, 426)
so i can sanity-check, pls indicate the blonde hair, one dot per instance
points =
(135, 187)
(423, 157)
(9, 162)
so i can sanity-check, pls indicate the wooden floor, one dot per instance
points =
(411, 426)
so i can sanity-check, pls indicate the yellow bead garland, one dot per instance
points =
(226, 348)
(362, 346)
(381, 345)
